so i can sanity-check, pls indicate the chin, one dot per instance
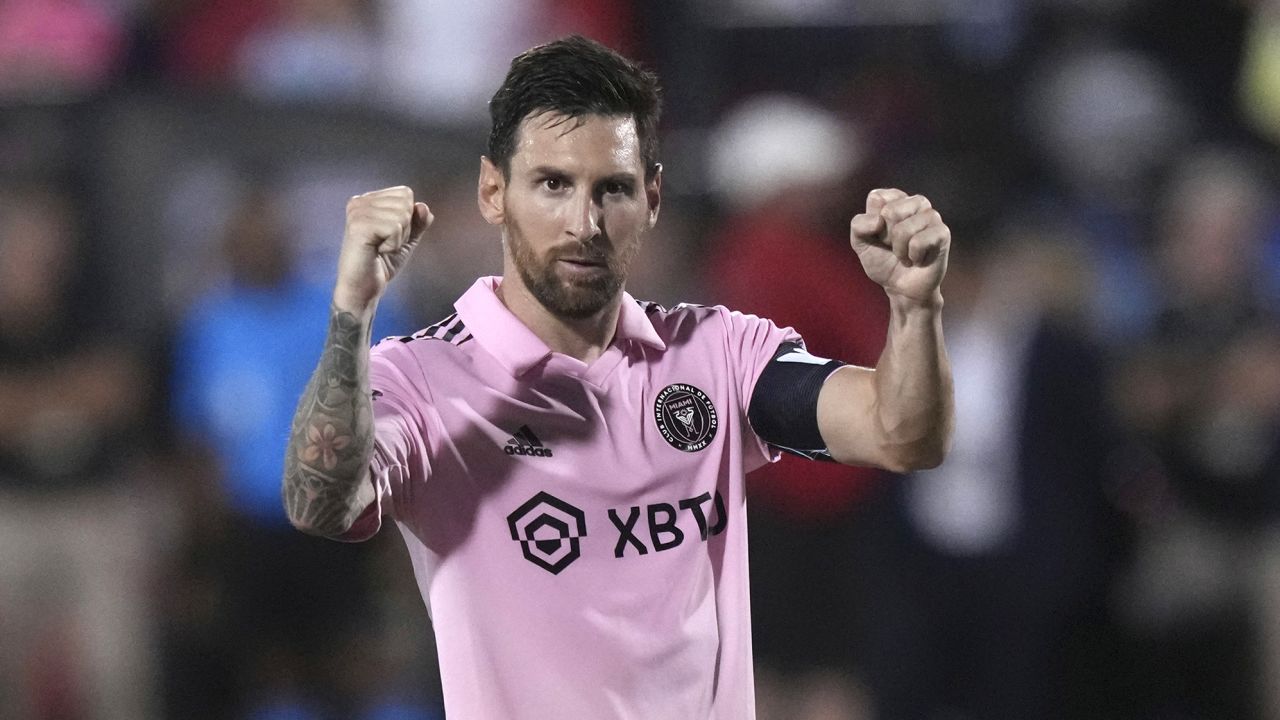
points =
(578, 300)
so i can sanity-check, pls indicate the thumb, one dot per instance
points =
(422, 219)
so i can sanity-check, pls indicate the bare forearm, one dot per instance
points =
(326, 466)
(914, 394)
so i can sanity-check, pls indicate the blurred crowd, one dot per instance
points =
(1103, 541)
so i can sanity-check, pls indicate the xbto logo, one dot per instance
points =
(664, 533)
(549, 529)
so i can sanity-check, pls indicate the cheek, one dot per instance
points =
(626, 217)
(537, 216)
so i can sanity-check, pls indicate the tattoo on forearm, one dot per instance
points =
(332, 435)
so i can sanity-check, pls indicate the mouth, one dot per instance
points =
(583, 263)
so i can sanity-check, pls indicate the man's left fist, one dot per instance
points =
(903, 244)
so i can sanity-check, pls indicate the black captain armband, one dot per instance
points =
(784, 404)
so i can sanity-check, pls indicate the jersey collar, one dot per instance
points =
(515, 346)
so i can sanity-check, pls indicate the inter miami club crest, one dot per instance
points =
(685, 416)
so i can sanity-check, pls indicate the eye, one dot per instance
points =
(553, 184)
(613, 187)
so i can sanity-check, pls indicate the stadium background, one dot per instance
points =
(1101, 544)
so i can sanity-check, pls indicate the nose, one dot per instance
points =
(584, 218)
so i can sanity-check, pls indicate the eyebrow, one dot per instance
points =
(558, 172)
(548, 170)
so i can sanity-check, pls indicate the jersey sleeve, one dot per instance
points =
(402, 426)
(752, 343)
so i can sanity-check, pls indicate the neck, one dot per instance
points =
(582, 338)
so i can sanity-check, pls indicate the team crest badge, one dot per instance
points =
(685, 417)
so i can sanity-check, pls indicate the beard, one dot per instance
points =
(564, 295)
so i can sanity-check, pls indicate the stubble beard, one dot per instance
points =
(568, 297)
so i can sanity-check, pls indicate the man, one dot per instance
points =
(566, 464)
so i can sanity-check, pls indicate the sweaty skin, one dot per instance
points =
(573, 214)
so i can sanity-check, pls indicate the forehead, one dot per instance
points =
(600, 143)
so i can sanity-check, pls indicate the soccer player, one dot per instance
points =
(566, 463)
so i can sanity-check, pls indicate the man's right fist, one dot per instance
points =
(383, 228)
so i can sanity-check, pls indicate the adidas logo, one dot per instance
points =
(524, 442)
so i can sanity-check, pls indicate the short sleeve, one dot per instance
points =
(400, 462)
(752, 342)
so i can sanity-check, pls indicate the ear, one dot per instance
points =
(653, 194)
(491, 191)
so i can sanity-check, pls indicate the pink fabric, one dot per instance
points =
(511, 471)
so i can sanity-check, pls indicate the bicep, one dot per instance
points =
(847, 417)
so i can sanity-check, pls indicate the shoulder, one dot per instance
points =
(450, 331)
(447, 336)
(704, 317)
(396, 363)
(688, 319)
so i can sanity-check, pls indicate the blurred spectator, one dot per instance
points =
(258, 609)
(1200, 396)
(1106, 118)
(1202, 43)
(76, 531)
(316, 50)
(56, 50)
(782, 165)
(1260, 74)
(614, 23)
(202, 38)
(443, 59)
(460, 247)
(1003, 559)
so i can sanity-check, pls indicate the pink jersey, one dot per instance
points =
(578, 531)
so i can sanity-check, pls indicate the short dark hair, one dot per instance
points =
(574, 77)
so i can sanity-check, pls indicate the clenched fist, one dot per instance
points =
(383, 228)
(903, 244)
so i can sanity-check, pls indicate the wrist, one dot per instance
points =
(905, 304)
(357, 304)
